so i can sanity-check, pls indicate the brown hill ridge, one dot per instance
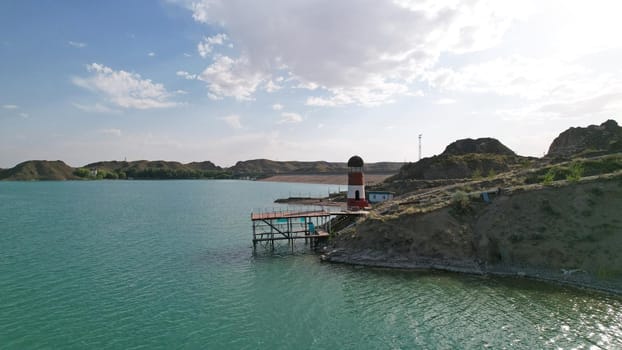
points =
(461, 159)
(160, 169)
(39, 170)
(603, 138)
(485, 145)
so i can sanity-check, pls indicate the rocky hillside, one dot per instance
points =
(39, 170)
(599, 139)
(566, 231)
(463, 159)
(485, 145)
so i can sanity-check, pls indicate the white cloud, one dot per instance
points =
(233, 121)
(125, 89)
(445, 101)
(112, 132)
(96, 108)
(512, 76)
(151, 54)
(206, 45)
(549, 87)
(186, 75)
(228, 77)
(308, 86)
(24, 115)
(10, 106)
(271, 86)
(376, 92)
(598, 107)
(187, 54)
(364, 52)
(290, 118)
(77, 44)
(277, 106)
(580, 28)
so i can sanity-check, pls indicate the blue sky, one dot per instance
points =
(299, 80)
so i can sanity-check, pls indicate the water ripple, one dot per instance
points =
(143, 265)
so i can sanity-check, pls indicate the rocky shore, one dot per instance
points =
(566, 232)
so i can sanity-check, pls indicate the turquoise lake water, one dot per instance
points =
(169, 264)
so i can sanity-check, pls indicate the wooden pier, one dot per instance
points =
(311, 225)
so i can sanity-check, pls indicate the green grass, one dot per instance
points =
(577, 169)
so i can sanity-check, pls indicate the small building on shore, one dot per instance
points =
(379, 196)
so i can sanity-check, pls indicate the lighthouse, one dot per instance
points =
(356, 185)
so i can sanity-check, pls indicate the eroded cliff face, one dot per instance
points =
(606, 137)
(571, 233)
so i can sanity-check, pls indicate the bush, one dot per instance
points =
(460, 200)
(549, 177)
(575, 172)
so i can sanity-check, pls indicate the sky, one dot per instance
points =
(231, 80)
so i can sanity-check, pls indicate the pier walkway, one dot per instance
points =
(311, 225)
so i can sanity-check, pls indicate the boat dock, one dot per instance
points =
(311, 225)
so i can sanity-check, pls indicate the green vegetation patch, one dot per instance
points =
(576, 169)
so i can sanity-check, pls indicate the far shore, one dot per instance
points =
(332, 179)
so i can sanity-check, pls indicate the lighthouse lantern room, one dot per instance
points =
(356, 185)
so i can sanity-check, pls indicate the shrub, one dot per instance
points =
(575, 172)
(460, 200)
(549, 177)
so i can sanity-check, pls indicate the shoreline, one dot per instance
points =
(326, 179)
(580, 281)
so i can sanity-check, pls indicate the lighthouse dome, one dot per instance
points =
(355, 162)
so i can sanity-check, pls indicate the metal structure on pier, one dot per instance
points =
(313, 226)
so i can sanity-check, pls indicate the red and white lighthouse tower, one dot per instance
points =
(356, 185)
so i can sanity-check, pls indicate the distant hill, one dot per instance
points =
(158, 169)
(484, 145)
(205, 166)
(39, 170)
(462, 159)
(600, 139)
(266, 167)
